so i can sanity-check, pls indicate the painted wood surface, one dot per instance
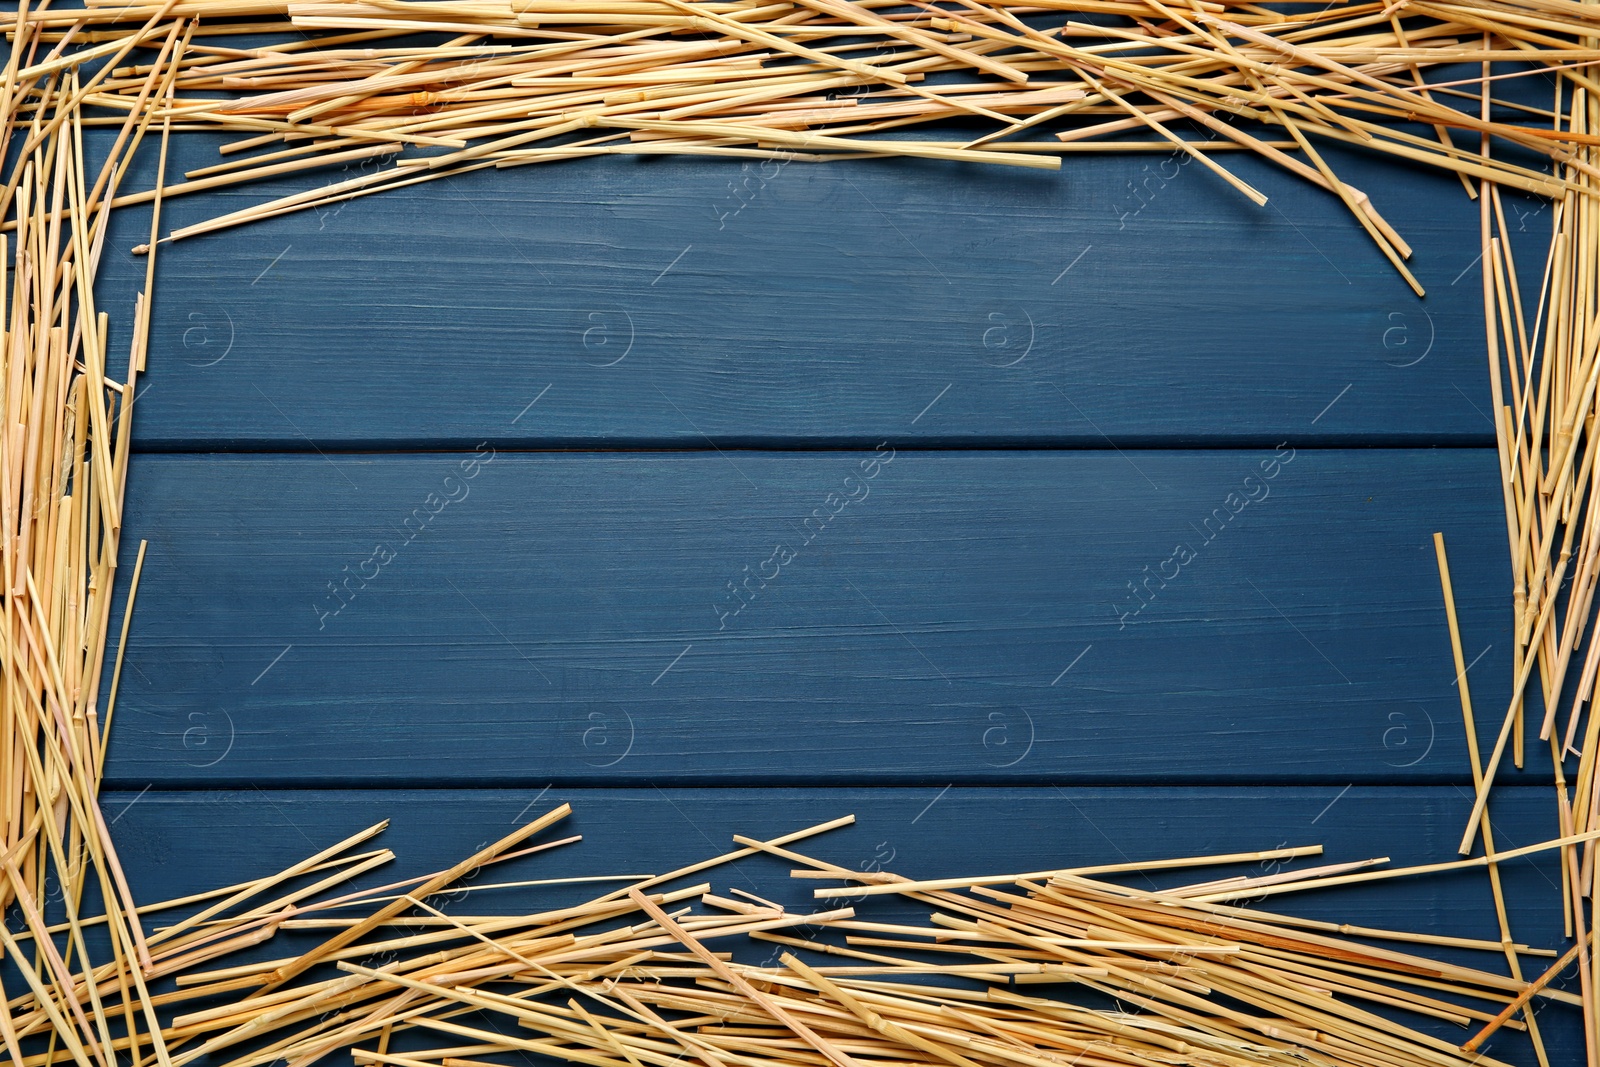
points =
(955, 650)
(888, 616)
(178, 842)
(1129, 299)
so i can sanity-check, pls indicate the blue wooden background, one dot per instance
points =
(1037, 519)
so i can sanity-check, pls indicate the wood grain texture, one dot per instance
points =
(972, 617)
(966, 629)
(1134, 299)
(177, 842)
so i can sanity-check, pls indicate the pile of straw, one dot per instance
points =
(436, 88)
(631, 978)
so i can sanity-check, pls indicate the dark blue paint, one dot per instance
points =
(570, 617)
(831, 308)
(559, 624)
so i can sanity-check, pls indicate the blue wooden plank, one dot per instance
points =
(667, 301)
(971, 616)
(178, 842)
